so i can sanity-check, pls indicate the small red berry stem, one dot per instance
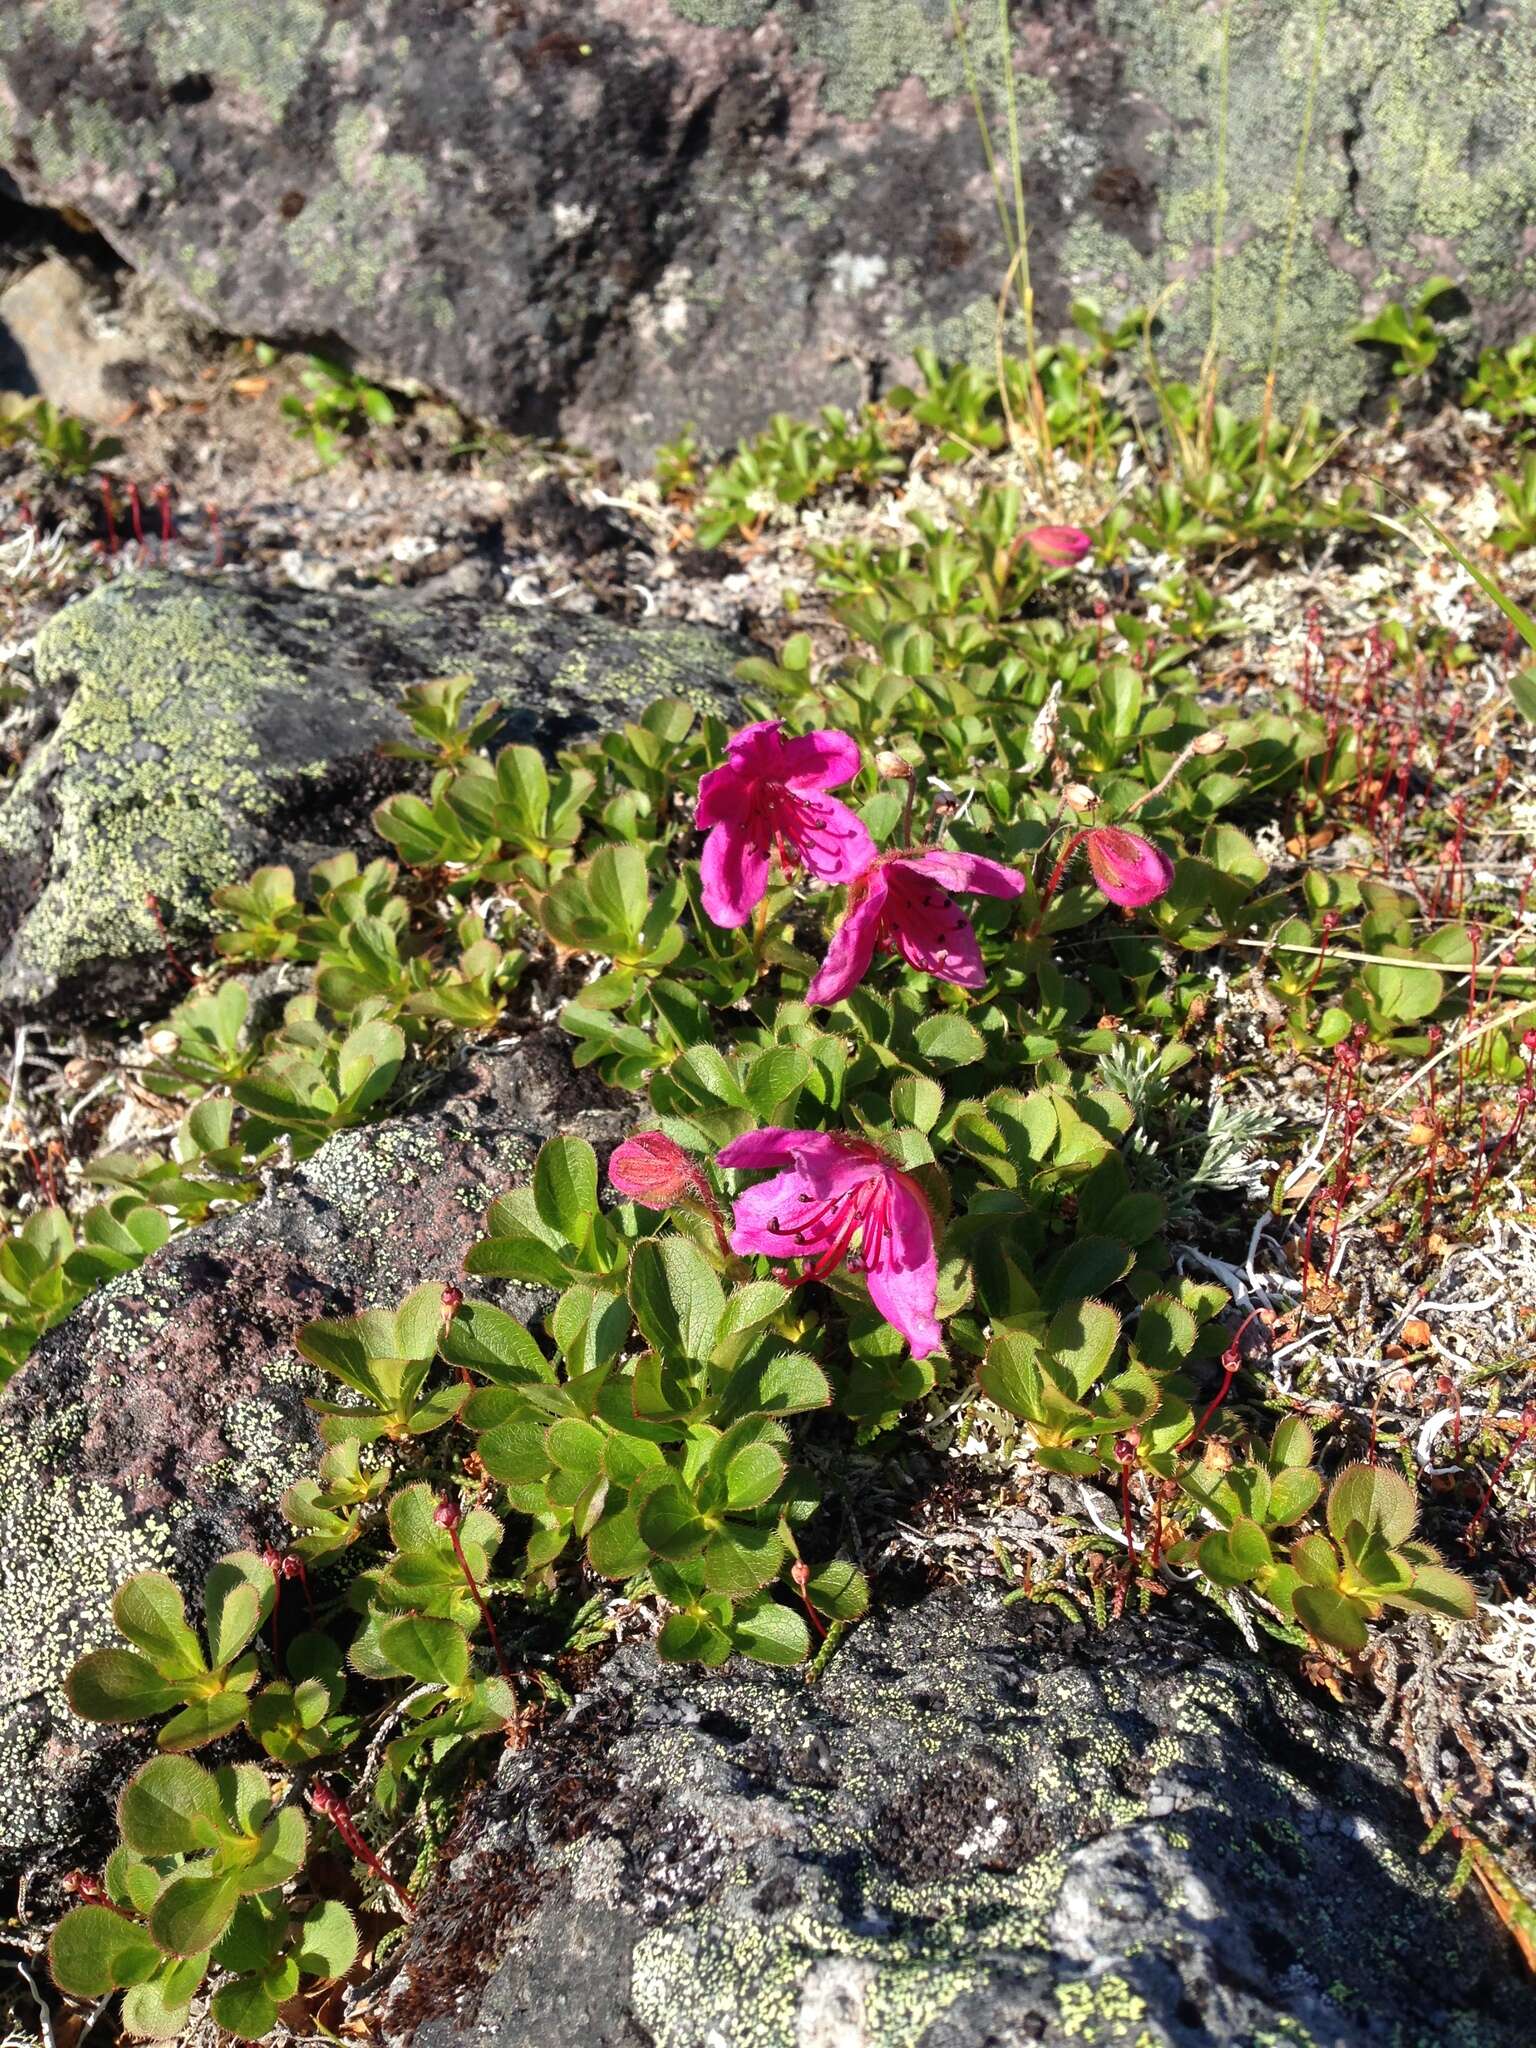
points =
(448, 1517)
(330, 1805)
(800, 1572)
(1231, 1359)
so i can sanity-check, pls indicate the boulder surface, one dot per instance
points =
(206, 728)
(610, 222)
(159, 1425)
(981, 1825)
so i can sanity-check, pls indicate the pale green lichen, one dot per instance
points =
(158, 779)
(263, 53)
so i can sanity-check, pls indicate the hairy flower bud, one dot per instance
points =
(651, 1168)
(1058, 546)
(1129, 869)
(890, 767)
(446, 1514)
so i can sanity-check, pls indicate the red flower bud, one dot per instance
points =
(1059, 546)
(650, 1168)
(446, 1514)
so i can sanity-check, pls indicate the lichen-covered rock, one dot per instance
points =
(160, 1424)
(616, 220)
(208, 728)
(981, 1825)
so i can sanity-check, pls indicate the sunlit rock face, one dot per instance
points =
(654, 211)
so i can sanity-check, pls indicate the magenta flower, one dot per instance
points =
(767, 796)
(1059, 546)
(1128, 868)
(901, 902)
(838, 1201)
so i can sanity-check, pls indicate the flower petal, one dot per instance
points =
(1059, 546)
(929, 929)
(733, 870)
(725, 795)
(827, 1163)
(839, 847)
(853, 943)
(765, 1218)
(904, 1280)
(968, 871)
(819, 760)
(758, 750)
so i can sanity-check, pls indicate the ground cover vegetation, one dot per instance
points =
(949, 990)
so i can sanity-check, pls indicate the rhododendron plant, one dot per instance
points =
(902, 903)
(840, 1201)
(769, 796)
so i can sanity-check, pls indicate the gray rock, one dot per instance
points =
(208, 728)
(159, 1426)
(982, 1826)
(54, 345)
(610, 222)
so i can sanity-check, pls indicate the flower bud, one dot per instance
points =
(1077, 796)
(650, 1168)
(890, 767)
(1058, 546)
(1129, 869)
(453, 1301)
(446, 1514)
(1209, 743)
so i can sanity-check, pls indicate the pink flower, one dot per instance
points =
(1059, 546)
(901, 902)
(769, 794)
(840, 1201)
(1128, 868)
(650, 1168)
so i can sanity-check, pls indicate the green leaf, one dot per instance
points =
(948, 1040)
(1377, 1501)
(160, 2009)
(1089, 1265)
(238, 1595)
(327, 1944)
(676, 1297)
(192, 1912)
(1082, 1338)
(789, 1384)
(770, 1633)
(1441, 1591)
(1329, 1615)
(245, 2008)
(118, 1685)
(497, 1346)
(94, 1950)
(1293, 1493)
(205, 1720)
(280, 1851)
(918, 1100)
(743, 1557)
(1233, 1556)
(692, 1638)
(170, 1808)
(432, 1651)
(753, 1476)
(150, 1612)
(253, 1938)
(670, 1523)
(565, 1188)
(839, 1590)
(1292, 1443)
